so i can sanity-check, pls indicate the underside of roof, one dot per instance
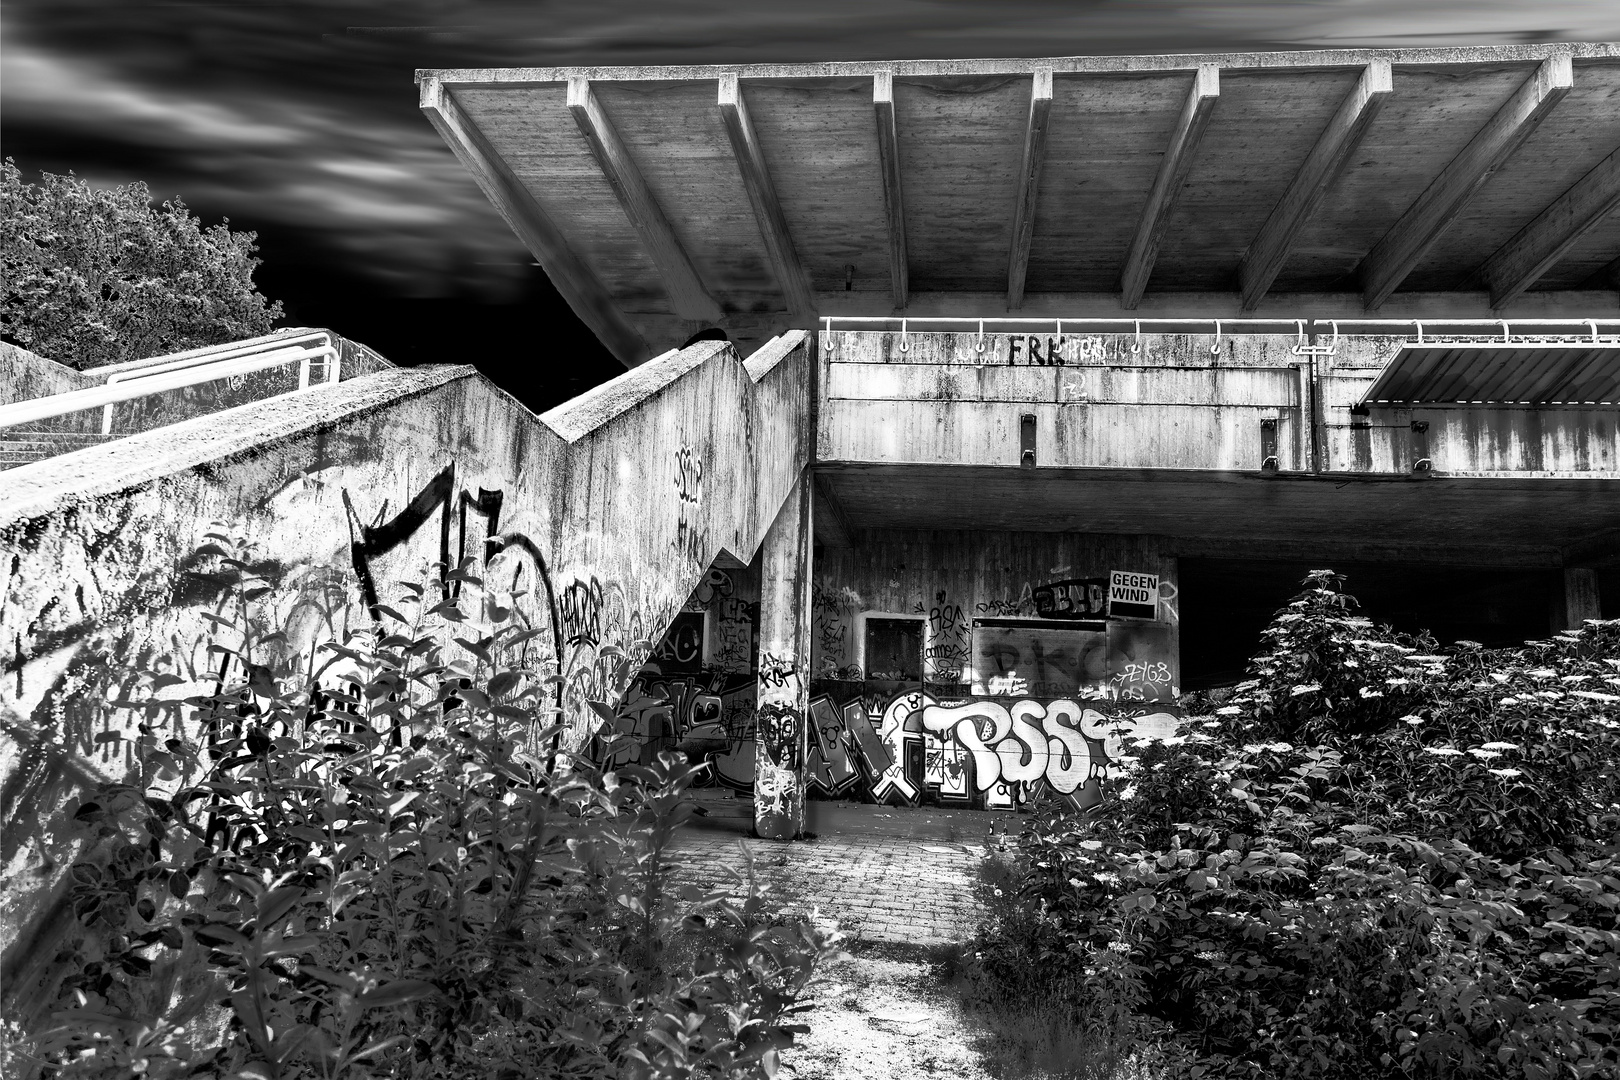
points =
(1328, 184)
(1503, 373)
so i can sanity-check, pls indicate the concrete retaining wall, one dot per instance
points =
(608, 510)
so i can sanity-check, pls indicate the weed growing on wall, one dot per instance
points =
(377, 867)
(1375, 858)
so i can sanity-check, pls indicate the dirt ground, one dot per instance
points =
(882, 1014)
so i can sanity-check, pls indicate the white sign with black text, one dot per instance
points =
(1133, 596)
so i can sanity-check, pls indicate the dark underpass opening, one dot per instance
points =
(1226, 603)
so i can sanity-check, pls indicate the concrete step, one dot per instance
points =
(18, 447)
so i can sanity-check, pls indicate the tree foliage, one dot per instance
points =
(98, 276)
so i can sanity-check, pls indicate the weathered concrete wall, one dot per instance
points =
(609, 511)
(1172, 401)
(27, 375)
(1010, 625)
(1170, 404)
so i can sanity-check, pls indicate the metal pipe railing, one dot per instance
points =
(1221, 326)
(100, 397)
(213, 354)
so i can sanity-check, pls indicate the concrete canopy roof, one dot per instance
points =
(1428, 182)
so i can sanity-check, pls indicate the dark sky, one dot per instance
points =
(299, 120)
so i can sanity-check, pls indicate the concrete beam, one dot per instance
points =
(894, 204)
(1405, 244)
(1326, 161)
(1601, 551)
(575, 281)
(1063, 65)
(756, 178)
(832, 525)
(1540, 245)
(1576, 305)
(686, 292)
(1363, 551)
(1029, 181)
(1167, 185)
(1575, 598)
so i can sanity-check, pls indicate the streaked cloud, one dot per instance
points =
(301, 118)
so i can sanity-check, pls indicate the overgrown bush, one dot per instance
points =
(1374, 858)
(376, 868)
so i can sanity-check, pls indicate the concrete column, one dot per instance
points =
(784, 665)
(1576, 598)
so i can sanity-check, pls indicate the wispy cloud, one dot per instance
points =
(301, 118)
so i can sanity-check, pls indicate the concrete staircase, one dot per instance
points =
(19, 447)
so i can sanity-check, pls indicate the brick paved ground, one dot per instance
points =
(888, 889)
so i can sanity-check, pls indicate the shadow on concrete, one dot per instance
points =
(722, 812)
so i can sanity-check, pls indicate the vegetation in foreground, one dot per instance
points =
(376, 869)
(1374, 858)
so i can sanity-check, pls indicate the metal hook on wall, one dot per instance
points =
(1216, 348)
(1136, 346)
(980, 345)
(1419, 324)
(903, 345)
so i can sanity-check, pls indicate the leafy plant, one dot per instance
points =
(97, 276)
(1373, 858)
(374, 868)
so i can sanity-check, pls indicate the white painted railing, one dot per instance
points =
(1297, 328)
(191, 368)
(211, 370)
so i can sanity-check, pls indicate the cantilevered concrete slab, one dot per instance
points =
(1415, 182)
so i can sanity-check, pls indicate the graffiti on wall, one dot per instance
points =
(1075, 598)
(688, 497)
(832, 634)
(708, 715)
(948, 655)
(983, 752)
(1051, 350)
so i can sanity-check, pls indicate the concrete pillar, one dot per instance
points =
(784, 666)
(1575, 598)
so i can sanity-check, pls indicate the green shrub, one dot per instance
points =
(1372, 859)
(375, 868)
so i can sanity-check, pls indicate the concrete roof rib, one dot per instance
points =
(1434, 183)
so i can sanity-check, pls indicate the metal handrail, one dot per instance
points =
(1224, 325)
(213, 354)
(95, 397)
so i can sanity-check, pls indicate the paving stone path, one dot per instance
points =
(876, 889)
(895, 881)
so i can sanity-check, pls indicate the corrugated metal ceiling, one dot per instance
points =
(1528, 373)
